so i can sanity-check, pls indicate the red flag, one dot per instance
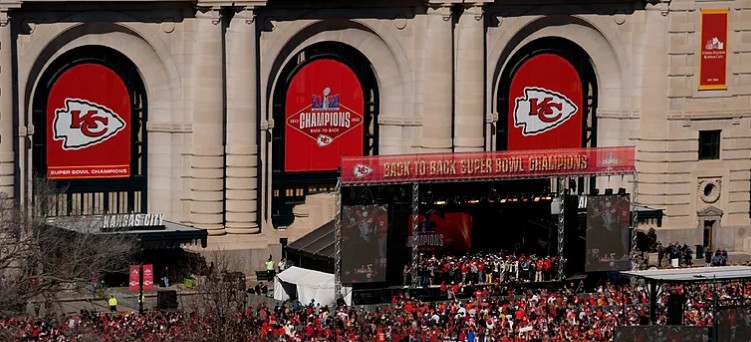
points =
(148, 277)
(133, 281)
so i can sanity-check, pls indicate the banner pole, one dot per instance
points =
(140, 288)
(415, 236)
(338, 237)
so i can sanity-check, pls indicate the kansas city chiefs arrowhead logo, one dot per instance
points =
(361, 170)
(541, 110)
(324, 140)
(82, 124)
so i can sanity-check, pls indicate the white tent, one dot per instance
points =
(305, 284)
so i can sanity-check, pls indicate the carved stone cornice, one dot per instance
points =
(474, 10)
(5, 7)
(246, 14)
(4, 17)
(441, 9)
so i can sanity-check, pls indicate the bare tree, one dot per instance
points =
(220, 302)
(42, 257)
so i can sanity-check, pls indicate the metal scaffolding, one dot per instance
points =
(415, 237)
(338, 238)
(561, 225)
(634, 214)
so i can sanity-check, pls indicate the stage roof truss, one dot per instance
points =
(694, 274)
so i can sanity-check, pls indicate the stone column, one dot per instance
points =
(651, 99)
(7, 166)
(469, 87)
(207, 152)
(437, 83)
(241, 190)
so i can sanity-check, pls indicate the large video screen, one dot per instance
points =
(734, 325)
(661, 333)
(364, 243)
(442, 232)
(608, 238)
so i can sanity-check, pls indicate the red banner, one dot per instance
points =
(88, 125)
(545, 105)
(148, 277)
(134, 277)
(713, 59)
(324, 117)
(442, 232)
(135, 274)
(487, 165)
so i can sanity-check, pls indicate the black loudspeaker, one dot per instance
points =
(675, 309)
(643, 320)
(166, 300)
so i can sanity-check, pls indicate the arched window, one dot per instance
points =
(325, 107)
(89, 114)
(547, 98)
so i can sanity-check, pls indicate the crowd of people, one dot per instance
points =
(509, 316)
(483, 268)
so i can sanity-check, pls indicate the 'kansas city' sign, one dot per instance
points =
(132, 220)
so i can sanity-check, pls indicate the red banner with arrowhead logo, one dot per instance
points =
(545, 105)
(324, 117)
(713, 59)
(134, 277)
(88, 124)
(148, 277)
(487, 165)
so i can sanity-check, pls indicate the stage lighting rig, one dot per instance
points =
(622, 191)
(609, 191)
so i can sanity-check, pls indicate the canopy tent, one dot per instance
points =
(315, 250)
(694, 274)
(306, 285)
(655, 279)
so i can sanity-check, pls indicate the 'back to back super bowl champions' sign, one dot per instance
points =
(488, 165)
(324, 117)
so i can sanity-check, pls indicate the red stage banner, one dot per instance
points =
(545, 105)
(134, 277)
(148, 277)
(88, 124)
(324, 117)
(714, 48)
(442, 232)
(487, 165)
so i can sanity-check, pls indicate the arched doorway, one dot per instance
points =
(90, 141)
(547, 98)
(315, 127)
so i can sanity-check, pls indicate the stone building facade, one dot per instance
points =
(208, 75)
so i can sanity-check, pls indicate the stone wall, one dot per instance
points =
(437, 65)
